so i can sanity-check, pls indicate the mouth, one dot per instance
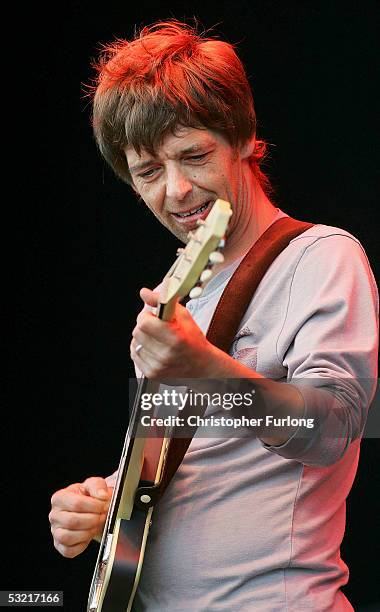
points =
(194, 214)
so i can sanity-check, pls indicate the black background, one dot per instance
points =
(79, 245)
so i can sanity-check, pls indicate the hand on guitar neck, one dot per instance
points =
(78, 515)
(175, 348)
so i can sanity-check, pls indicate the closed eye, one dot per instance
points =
(197, 157)
(148, 173)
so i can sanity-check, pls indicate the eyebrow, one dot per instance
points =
(195, 148)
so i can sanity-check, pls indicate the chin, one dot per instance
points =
(178, 233)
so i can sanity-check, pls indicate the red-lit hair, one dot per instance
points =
(170, 75)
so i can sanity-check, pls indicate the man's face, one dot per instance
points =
(185, 176)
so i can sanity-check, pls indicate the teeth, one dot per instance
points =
(193, 212)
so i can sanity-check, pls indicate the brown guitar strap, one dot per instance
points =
(230, 310)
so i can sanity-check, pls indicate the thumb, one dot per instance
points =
(95, 487)
(149, 297)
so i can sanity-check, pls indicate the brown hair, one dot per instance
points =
(170, 75)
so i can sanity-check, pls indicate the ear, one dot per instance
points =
(247, 149)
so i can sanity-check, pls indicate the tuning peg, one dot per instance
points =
(195, 292)
(206, 274)
(191, 236)
(182, 252)
(216, 257)
(222, 243)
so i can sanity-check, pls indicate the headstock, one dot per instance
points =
(194, 263)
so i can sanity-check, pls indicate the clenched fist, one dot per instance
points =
(78, 514)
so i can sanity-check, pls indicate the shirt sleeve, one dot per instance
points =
(329, 344)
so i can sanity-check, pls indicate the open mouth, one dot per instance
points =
(193, 214)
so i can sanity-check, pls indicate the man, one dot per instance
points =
(247, 523)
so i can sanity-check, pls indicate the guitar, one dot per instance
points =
(142, 463)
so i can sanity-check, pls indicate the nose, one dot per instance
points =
(178, 185)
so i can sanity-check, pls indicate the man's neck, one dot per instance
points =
(256, 215)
